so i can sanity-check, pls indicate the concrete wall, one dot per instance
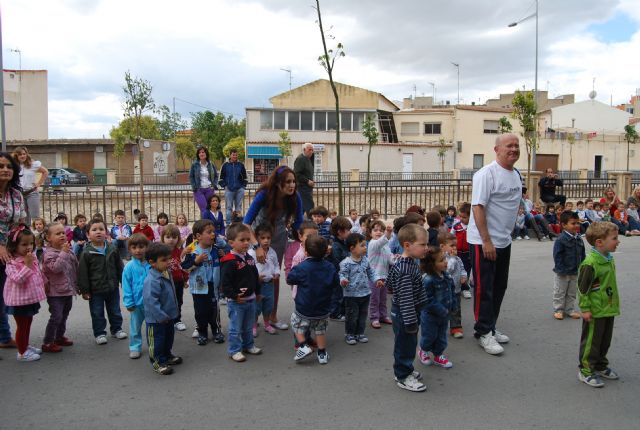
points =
(590, 115)
(319, 95)
(26, 112)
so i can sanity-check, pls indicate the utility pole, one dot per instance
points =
(290, 76)
(2, 117)
(457, 65)
(433, 88)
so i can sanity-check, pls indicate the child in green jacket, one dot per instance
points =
(599, 303)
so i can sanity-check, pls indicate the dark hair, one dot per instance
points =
(551, 206)
(200, 225)
(452, 208)
(162, 215)
(157, 250)
(262, 229)
(338, 224)
(364, 219)
(275, 201)
(137, 239)
(235, 229)
(566, 216)
(353, 239)
(233, 151)
(428, 263)
(307, 225)
(598, 204)
(445, 237)
(98, 215)
(14, 182)
(465, 208)
(440, 209)
(433, 219)
(414, 218)
(319, 210)
(119, 212)
(374, 211)
(580, 202)
(353, 210)
(63, 216)
(93, 221)
(202, 148)
(15, 234)
(143, 216)
(78, 218)
(415, 209)
(171, 231)
(372, 225)
(211, 197)
(316, 246)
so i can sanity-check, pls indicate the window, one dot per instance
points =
(490, 126)
(331, 121)
(345, 121)
(306, 120)
(432, 128)
(478, 161)
(358, 119)
(410, 128)
(278, 120)
(266, 119)
(294, 120)
(321, 121)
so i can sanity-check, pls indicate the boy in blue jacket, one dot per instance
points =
(568, 254)
(160, 309)
(133, 277)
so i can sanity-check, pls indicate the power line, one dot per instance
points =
(207, 108)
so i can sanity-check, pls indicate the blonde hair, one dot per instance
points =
(186, 220)
(600, 230)
(28, 161)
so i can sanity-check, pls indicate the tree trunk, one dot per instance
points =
(570, 157)
(369, 164)
(141, 177)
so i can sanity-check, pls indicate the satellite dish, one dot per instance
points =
(592, 95)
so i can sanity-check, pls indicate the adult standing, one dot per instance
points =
(548, 186)
(303, 168)
(12, 212)
(496, 197)
(277, 204)
(29, 182)
(233, 178)
(203, 178)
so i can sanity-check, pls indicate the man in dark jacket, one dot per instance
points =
(548, 186)
(233, 178)
(303, 168)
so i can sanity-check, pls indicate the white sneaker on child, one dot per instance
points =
(490, 345)
(28, 355)
(527, 237)
(302, 352)
(195, 333)
(101, 340)
(120, 334)
(34, 350)
(180, 326)
(466, 294)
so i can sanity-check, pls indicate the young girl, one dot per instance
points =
(451, 217)
(380, 260)
(171, 237)
(24, 288)
(163, 220)
(38, 230)
(434, 318)
(62, 219)
(215, 214)
(60, 268)
(183, 225)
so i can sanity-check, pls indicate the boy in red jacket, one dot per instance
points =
(459, 228)
(144, 227)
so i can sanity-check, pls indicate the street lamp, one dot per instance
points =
(513, 24)
(457, 66)
(433, 87)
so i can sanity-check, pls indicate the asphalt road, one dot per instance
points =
(532, 385)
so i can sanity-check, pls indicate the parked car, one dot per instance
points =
(66, 176)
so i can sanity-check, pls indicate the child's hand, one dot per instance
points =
(86, 296)
(28, 259)
(220, 253)
(411, 328)
(388, 231)
(201, 258)
(586, 316)
(379, 283)
(344, 282)
(66, 247)
(463, 280)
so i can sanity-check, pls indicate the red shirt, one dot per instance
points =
(177, 273)
(147, 231)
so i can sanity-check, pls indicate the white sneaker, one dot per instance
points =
(101, 340)
(195, 334)
(526, 237)
(518, 238)
(410, 383)
(280, 325)
(180, 326)
(323, 358)
(302, 352)
(34, 349)
(254, 350)
(120, 334)
(222, 301)
(501, 337)
(466, 294)
(134, 355)
(545, 238)
(415, 374)
(488, 342)
(28, 355)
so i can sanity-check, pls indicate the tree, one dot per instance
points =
(215, 130)
(185, 150)
(442, 153)
(237, 143)
(169, 123)
(571, 138)
(524, 110)
(125, 132)
(327, 61)
(284, 145)
(504, 126)
(631, 136)
(137, 101)
(370, 132)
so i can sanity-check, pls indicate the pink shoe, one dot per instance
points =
(425, 357)
(442, 361)
(270, 329)
(255, 330)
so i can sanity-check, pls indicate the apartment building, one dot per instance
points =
(26, 104)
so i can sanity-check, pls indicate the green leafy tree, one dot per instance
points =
(284, 145)
(185, 151)
(215, 130)
(169, 123)
(370, 132)
(504, 126)
(631, 136)
(237, 144)
(327, 60)
(125, 133)
(442, 153)
(524, 110)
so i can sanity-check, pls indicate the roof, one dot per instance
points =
(483, 108)
(24, 70)
(427, 110)
(403, 145)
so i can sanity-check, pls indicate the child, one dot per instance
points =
(23, 288)
(62, 219)
(339, 251)
(592, 210)
(268, 273)
(375, 214)
(214, 214)
(160, 309)
(355, 275)
(381, 260)
(203, 265)
(133, 277)
(552, 219)
(599, 303)
(353, 218)
(455, 269)
(451, 217)
(361, 227)
(163, 220)
(99, 274)
(520, 229)
(307, 228)
(606, 212)
(315, 278)
(38, 232)
(183, 226)
(120, 232)
(626, 227)
(319, 215)
(597, 209)
(434, 318)
(60, 268)
(568, 206)
(171, 237)
(443, 214)
(79, 233)
(240, 284)
(409, 297)
(144, 228)
(398, 223)
(568, 253)
(332, 215)
(460, 230)
(433, 220)
(582, 216)
(632, 210)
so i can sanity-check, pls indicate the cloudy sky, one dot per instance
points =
(227, 54)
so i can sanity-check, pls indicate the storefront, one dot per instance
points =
(265, 160)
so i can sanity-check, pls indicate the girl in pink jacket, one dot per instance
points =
(24, 288)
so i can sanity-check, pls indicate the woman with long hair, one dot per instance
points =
(610, 197)
(203, 178)
(278, 204)
(29, 182)
(635, 197)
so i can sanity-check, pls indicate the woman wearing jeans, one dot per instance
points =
(29, 169)
(203, 177)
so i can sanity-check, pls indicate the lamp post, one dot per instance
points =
(513, 24)
(433, 87)
(2, 117)
(457, 66)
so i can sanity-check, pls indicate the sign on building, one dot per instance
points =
(160, 162)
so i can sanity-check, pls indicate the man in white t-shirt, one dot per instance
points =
(496, 196)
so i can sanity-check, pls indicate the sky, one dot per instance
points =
(227, 55)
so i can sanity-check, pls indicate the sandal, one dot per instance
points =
(375, 324)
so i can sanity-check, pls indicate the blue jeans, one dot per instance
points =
(97, 303)
(241, 319)
(135, 328)
(233, 199)
(433, 333)
(5, 328)
(160, 339)
(265, 307)
(404, 346)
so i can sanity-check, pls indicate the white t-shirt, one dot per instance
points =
(28, 175)
(270, 268)
(499, 191)
(205, 181)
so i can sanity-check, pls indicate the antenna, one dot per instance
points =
(290, 75)
(593, 94)
(415, 89)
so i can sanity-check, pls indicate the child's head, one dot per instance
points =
(409, 218)
(319, 214)
(580, 205)
(447, 242)
(413, 240)
(20, 240)
(143, 220)
(597, 206)
(621, 206)
(353, 214)
(433, 219)
(204, 232)
(55, 235)
(442, 211)
(306, 229)
(162, 218)
(537, 207)
(434, 262)
(570, 222)
(333, 214)
(263, 233)
(605, 206)
(559, 208)
(375, 214)
(521, 210)
(589, 204)
(340, 227)
(181, 220)
(38, 224)
(119, 217)
(213, 202)
(159, 256)
(171, 236)
(316, 246)
(568, 206)
(98, 215)
(61, 218)
(465, 213)
(96, 231)
(376, 229)
(603, 235)
(239, 237)
(451, 211)
(632, 206)
(364, 223)
(137, 245)
(551, 208)
(357, 245)
(416, 209)
(80, 220)
(236, 217)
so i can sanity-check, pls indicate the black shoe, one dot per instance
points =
(174, 360)
(202, 340)
(218, 338)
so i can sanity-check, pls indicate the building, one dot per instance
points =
(544, 102)
(633, 107)
(26, 104)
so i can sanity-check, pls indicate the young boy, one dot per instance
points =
(240, 283)
(409, 297)
(597, 212)
(315, 278)
(353, 217)
(99, 274)
(144, 227)
(599, 303)
(319, 215)
(552, 219)
(361, 226)
(460, 230)
(120, 232)
(520, 229)
(433, 221)
(582, 217)
(455, 269)
(160, 309)
(339, 251)
(203, 265)
(79, 234)
(568, 253)
(269, 272)
(355, 275)
(133, 278)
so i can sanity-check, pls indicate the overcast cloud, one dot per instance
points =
(227, 54)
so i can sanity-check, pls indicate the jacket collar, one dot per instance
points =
(601, 258)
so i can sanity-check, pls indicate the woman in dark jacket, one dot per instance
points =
(203, 178)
